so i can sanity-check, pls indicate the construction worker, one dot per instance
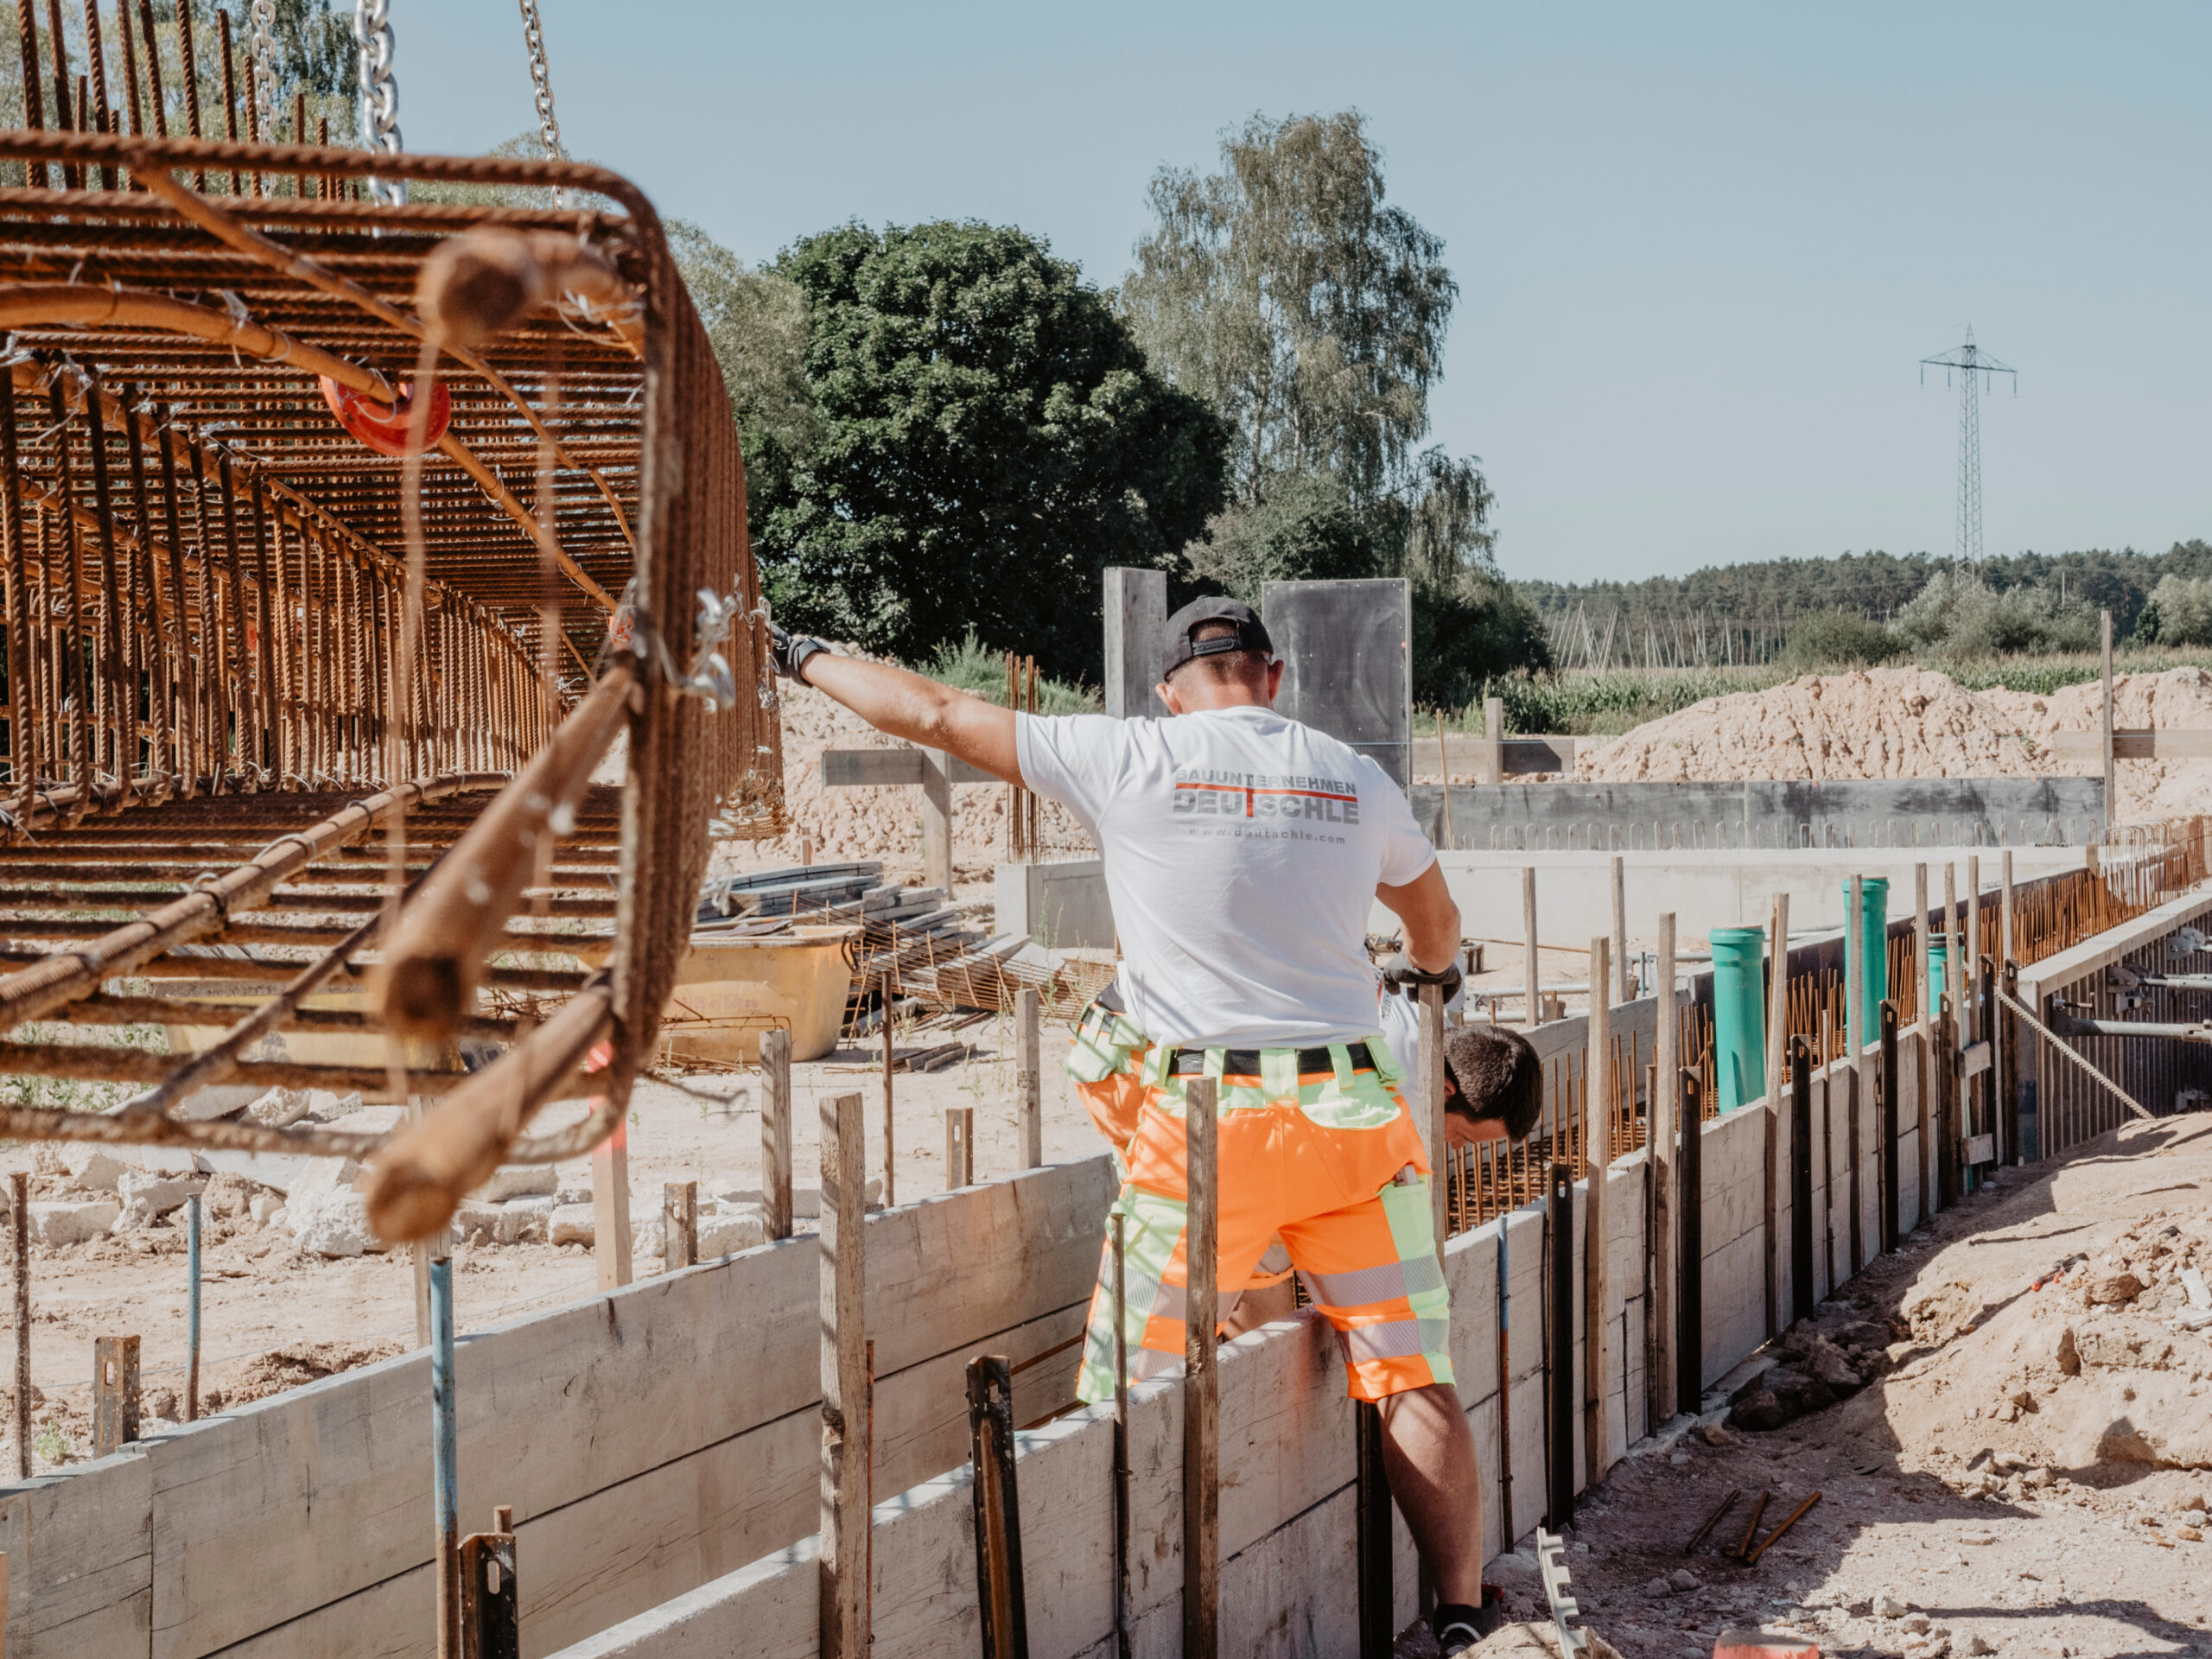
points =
(1244, 852)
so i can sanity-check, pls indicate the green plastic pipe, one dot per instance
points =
(1872, 940)
(1937, 952)
(1740, 1015)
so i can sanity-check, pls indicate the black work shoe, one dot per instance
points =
(1459, 1627)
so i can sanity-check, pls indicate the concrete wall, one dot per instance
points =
(1722, 889)
(1062, 904)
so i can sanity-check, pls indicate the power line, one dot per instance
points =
(1973, 366)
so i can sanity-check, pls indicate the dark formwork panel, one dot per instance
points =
(1347, 664)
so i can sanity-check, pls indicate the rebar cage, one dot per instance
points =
(234, 727)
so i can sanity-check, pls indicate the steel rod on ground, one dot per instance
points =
(843, 1559)
(1201, 1381)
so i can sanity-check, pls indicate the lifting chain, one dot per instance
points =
(548, 124)
(379, 93)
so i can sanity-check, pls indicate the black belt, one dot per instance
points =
(1245, 1062)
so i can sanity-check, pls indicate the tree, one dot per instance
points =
(756, 322)
(987, 437)
(1312, 315)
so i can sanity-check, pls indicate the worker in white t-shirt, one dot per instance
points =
(1243, 852)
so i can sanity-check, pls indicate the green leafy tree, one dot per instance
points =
(756, 321)
(1311, 313)
(987, 437)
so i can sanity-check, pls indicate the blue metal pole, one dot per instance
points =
(444, 1457)
(192, 1311)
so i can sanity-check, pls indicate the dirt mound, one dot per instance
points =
(1914, 722)
(310, 1362)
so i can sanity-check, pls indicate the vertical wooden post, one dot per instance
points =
(445, 1447)
(115, 1392)
(1854, 1045)
(1597, 1074)
(610, 1204)
(1558, 1363)
(890, 1125)
(937, 821)
(1889, 1125)
(192, 1309)
(19, 1228)
(1666, 1124)
(1620, 930)
(2007, 1067)
(2111, 773)
(959, 1148)
(776, 1131)
(1136, 630)
(679, 1226)
(1201, 1381)
(1946, 1059)
(1777, 1026)
(1489, 766)
(1029, 1078)
(1531, 969)
(1801, 1293)
(1925, 1021)
(1689, 1305)
(845, 1426)
(1428, 1112)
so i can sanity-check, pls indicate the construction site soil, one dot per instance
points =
(1914, 722)
(2029, 1478)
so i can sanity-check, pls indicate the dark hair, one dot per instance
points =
(1497, 1074)
(1248, 668)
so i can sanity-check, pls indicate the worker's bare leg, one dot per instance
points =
(1258, 1307)
(1429, 1451)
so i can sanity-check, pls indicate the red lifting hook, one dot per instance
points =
(384, 429)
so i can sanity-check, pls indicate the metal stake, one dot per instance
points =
(444, 1455)
(191, 1310)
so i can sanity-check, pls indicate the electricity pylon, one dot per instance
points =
(1973, 366)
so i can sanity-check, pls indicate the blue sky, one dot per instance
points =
(1701, 247)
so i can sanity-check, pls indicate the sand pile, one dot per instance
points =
(1913, 722)
(868, 822)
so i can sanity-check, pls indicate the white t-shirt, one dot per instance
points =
(1242, 851)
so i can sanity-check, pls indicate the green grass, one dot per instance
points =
(975, 668)
(1585, 703)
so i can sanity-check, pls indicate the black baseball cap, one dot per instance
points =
(1251, 634)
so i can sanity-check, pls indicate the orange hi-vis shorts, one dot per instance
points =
(1330, 1163)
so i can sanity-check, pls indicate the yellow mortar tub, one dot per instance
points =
(729, 991)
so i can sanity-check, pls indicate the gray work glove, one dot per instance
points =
(789, 655)
(1398, 972)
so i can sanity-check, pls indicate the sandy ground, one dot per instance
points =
(273, 1317)
(1934, 1508)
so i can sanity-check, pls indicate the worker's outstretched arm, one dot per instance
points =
(1432, 920)
(921, 710)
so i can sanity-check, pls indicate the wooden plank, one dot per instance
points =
(1974, 1059)
(1028, 1081)
(1136, 640)
(80, 1558)
(1778, 1052)
(1474, 757)
(291, 1502)
(1977, 1148)
(610, 1205)
(937, 820)
(900, 764)
(1666, 1116)
(847, 1441)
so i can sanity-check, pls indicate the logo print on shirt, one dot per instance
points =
(1266, 797)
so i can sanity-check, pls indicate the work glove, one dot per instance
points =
(1398, 972)
(789, 655)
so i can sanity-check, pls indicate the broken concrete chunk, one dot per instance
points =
(1760, 1411)
(324, 1212)
(472, 1217)
(1887, 1606)
(93, 1168)
(1659, 1588)
(279, 1109)
(727, 1231)
(264, 1206)
(1685, 1580)
(572, 1224)
(157, 1194)
(72, 1223)
(519, 1181)
(2112, 1289)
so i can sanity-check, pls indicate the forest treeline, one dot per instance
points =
(1767, 598)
